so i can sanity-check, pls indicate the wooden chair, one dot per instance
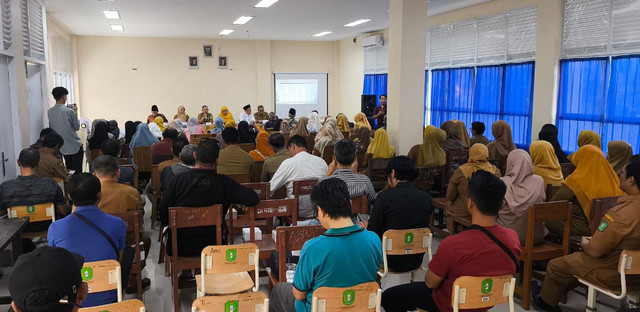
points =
(360, 204)
(35, 213)
(303, 187)
(599, 208)
(346, 134)
(247, 147)
(551, 191)
(311, 141)
(288, 239)
(263, 190)
(132, 305)
(327, 154)
(473, 292)
(542, 212)
(256, 301)
(269, 209)
(567, 169)
(133, 221)
(257, 171)
(362, 166)
(195, 138)
(188, 217)
(457, 221)
(405, 242)
(124, 161)
(225, 269)
(240, 177)
(102, 276)
(439, 214)
(62, 184)
(126, 151)
(362, 297)
(376, 172)
(454, 158)
(142, 159)
(156, 196)
(626, 267)
(428, 177)
(94, 153)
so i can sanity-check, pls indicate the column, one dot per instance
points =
(264, 76)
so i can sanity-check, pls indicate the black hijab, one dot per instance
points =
(113, 129)
(549, 133)
(245, 136)
(129, 131)
(100, 134)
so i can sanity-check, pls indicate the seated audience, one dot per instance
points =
(300, 127)
(545, 163)
(363, 138)
(292, 118)
(161, 151)
(593, 178)
(346, 255)
(129, 130)
(29, 189)
(587, 137)
(328, 135)
(502, 144)
(187, 161)
(234, 160)
(205, 116)
(618, 155)
(429, 153)
(301, 166)
(453, 141)
(246, 115)
(380, 147)
(157, 128)
(273, 122)
(477, 130)
(271, 164)
(115, 131)
(263, 149)
(361, 121)
(218, 126)
(193, 188)
(475, 252)
(261, 115)
(143, 137)
(193, 128)
(549, 133)
(99, 134)
(182, 115)
(315, 123)
(48, 279)
(524, 188)
(50, 165)
(176, 148)
(112, 148)
(598, 261)
(345, 167)
(226, 116)
(462, 133)
(245, 135)
(155, 114)
(43, 133)
(342, 122)
(82, 232)
(457, 194)
(402, 207)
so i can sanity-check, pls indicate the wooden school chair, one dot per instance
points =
(235, 226)
(567, 169)
(195, 138)
(405, 242)
(247, 147)
(157, 194)
(454, 159)
(439, 214)
(427, 178)
(257, 171)
(133, 305)
(35, 213)
(133, 221)
(224, 269)
(240, 177)
(62, 185)
(474, 292)
(361, 297)
(102, 276)
(188, 217)
(94, 153)
(456, 222)
(311, 141)
(300, 188)
(542, 212)
(142, 159)
(254, 302)
(288, 239)
(327, 154)
(551, 191)
(269, 209)
(360, 205)
(599, 208)
(376, 172)
(627, 266)
(126, 151)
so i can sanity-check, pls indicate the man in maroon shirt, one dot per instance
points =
(161, 151)
(470, 253)
(380, 111)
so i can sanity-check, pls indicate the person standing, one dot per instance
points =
(64, 121)
(380, 111)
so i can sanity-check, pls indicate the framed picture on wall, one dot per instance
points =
(223, 62)
(193, 62)
(207, 50)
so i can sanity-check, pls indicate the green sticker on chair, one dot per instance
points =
(348, 297)
(408, 238)
(487, 286)
(231, 306)
(31, 209)
(87, 274)
(232, 254)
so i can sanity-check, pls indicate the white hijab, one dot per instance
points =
(315, 124)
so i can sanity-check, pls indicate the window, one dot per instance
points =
(486, 94)
(65, 80)
(5, 25)
(376, 59)
(32, 29)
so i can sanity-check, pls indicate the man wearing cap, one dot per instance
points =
(292, 118)
(47, 279)
(247, 116)
(154, 114)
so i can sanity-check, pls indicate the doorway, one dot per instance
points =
(7, 150)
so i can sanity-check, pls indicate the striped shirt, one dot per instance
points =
(358, 184)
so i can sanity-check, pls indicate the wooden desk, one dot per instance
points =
(10, 230)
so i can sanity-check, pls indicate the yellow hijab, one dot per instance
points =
(545, 162)
(226, 117)
(263, 149)
(618, 154)
(463, 133)
(593, 178)
(478, 160)
(361, 121)
(380, 146)
(230, 124)
(342, 122)
(160, 122)
(431, 153)
(589, 137)
(428, 130)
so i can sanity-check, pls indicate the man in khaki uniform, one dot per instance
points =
(272, 163)
(619, 229)
(232, 159)
(50, 165)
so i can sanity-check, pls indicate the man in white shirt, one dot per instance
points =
(247, 116)
(301, 166)
(64, 121)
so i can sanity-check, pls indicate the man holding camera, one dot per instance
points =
(64, 120)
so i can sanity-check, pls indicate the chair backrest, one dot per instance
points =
(428, 176)
(61, 184)
(567, 169)
(627, 265)
(303, 187)
(126, 151)
(346, 134)
(266, 209)
(376, 169)
(254, 302)
(257, 171)
(360, 204)
(240, 177)
(599, 207)
(224, 259)
(247, 147)
(102, 276)
(132, 305)
(124, 161)
(263, 189)
(453, 157)
(546, 212)
(35, 213)
(95, 153)
(311, 141)
(195, 138)
(155, 179)
(405, 242)
(142, 158)
(361, 297)
(327, 154)
(290, 238)
(188, 217)
(551, 191)
(471, 292)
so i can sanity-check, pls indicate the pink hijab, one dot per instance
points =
(523, 187)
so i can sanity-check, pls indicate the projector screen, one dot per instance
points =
(303, 91)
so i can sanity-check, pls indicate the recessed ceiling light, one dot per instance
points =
(356, 23)
(243, 20)
(226, 32)
(265, 3)
(111, 15)
(322, 33)
(117, 27)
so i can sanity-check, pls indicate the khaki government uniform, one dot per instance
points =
(272, 164)
(233, 160)
(50, 165)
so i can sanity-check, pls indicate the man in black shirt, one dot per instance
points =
(201, 187)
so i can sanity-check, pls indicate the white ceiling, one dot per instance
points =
(285, 20)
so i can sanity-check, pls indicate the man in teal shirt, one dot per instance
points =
(345, 255)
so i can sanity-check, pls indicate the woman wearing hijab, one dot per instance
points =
(462, 133)
(342, 122)
(524, 188)
(263, 149)
(363, 137)
(618, 154)
(143, 137)
(361, 121)
(114, 129)
(301, 127)
(429, 153)
(244, 135)
(314, 125)
(99, 135)
(593, 178)
(549, 133)
(129, 131)
(181, 114)
(457, 193)
(226, 115)
(193, 127)
(545, 163)
(502, 145)
(157, 127)
(453, 141)
(380, 146)
(273, 123)
(173, 125)
(328, 135)
(218, 125)
(587, 137)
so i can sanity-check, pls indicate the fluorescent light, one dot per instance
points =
(111, 15)
(243, 20)
(265, 3)
(356, 23)
(117, 27)
(322, 33)
(226, 32)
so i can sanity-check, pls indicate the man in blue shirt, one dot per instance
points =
(345, 255)
(83, 238)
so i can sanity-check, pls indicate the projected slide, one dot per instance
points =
(297, 91)
(304, 92)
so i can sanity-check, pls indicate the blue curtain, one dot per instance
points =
(622, 112)
(452, 95)
(375, 84)
(517, 101)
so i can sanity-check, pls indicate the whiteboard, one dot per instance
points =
(305, 92)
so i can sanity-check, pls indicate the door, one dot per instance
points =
(7, 154)
(34, 101)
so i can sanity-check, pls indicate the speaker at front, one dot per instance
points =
(368, 104)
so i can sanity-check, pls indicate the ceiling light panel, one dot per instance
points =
(265, 3)
(324, 33)
(356, 23)
(111, 15)
(243, 20)
(226, 32)
(117, 27)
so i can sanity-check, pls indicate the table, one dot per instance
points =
(10, 230)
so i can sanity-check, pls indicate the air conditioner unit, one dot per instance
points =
(371, 41)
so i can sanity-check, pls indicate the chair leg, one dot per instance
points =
(154, 210)
(176, 292)
(634, 301)
(591, 299)
(167, 265)
(526, 283)
(139, 279)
